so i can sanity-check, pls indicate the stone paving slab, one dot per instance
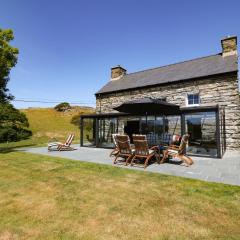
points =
(225, 170)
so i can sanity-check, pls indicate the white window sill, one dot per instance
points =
(192, 105)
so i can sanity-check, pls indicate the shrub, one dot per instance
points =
(14, 134)
(13, 124)
(61, 107)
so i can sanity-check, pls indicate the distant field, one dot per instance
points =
(47, 123)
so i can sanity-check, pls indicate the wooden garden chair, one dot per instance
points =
(139, 137)
(175, 139)
(58, 146)
(178, 151)
(115, 151)
(124, 147)
(142, 151)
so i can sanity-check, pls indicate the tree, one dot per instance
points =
(8, 59)
(13, 123)
(61, 107)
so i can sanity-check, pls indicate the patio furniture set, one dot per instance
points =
(139, 150)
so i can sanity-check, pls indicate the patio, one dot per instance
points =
(225, 170)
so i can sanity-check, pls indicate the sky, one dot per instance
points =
(67, 47)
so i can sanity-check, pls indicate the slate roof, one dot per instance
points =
(196, 68)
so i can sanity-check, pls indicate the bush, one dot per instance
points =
(14, 134)
(61, 107)
(13, 124)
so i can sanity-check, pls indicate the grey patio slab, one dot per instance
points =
(225, 170)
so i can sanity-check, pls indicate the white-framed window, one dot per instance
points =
(193, 99)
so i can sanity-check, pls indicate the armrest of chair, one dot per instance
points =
(174, 147)
(154, 148)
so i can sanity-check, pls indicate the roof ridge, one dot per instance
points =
(172, 64)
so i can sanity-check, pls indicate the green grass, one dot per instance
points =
(52, 198)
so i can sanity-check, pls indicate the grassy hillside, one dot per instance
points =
(47, 123)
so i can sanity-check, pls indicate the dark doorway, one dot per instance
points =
(194, 127)
(131, 128)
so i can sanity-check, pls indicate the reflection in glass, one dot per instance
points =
(172, 126)
(159, 129)
(107, 126)
(148, 129)
(202, 130)
(89, 131)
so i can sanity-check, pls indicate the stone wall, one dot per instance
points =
(222, 90)
(229, 46)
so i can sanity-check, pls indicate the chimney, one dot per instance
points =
(117, 72)
(229, 46)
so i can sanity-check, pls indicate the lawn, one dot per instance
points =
(52, 198)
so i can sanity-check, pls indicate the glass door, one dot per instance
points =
(106, 127)
(203, 133)
(172, 126)
(88, 132)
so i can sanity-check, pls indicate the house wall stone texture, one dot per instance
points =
(117, 72)
(222, 90)
(229, 46)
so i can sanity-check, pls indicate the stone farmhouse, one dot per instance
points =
(199, 96)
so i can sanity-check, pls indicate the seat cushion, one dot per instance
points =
(172, 151)
(54, 144)
(151, 151)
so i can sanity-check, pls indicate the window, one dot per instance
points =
(193, 99)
